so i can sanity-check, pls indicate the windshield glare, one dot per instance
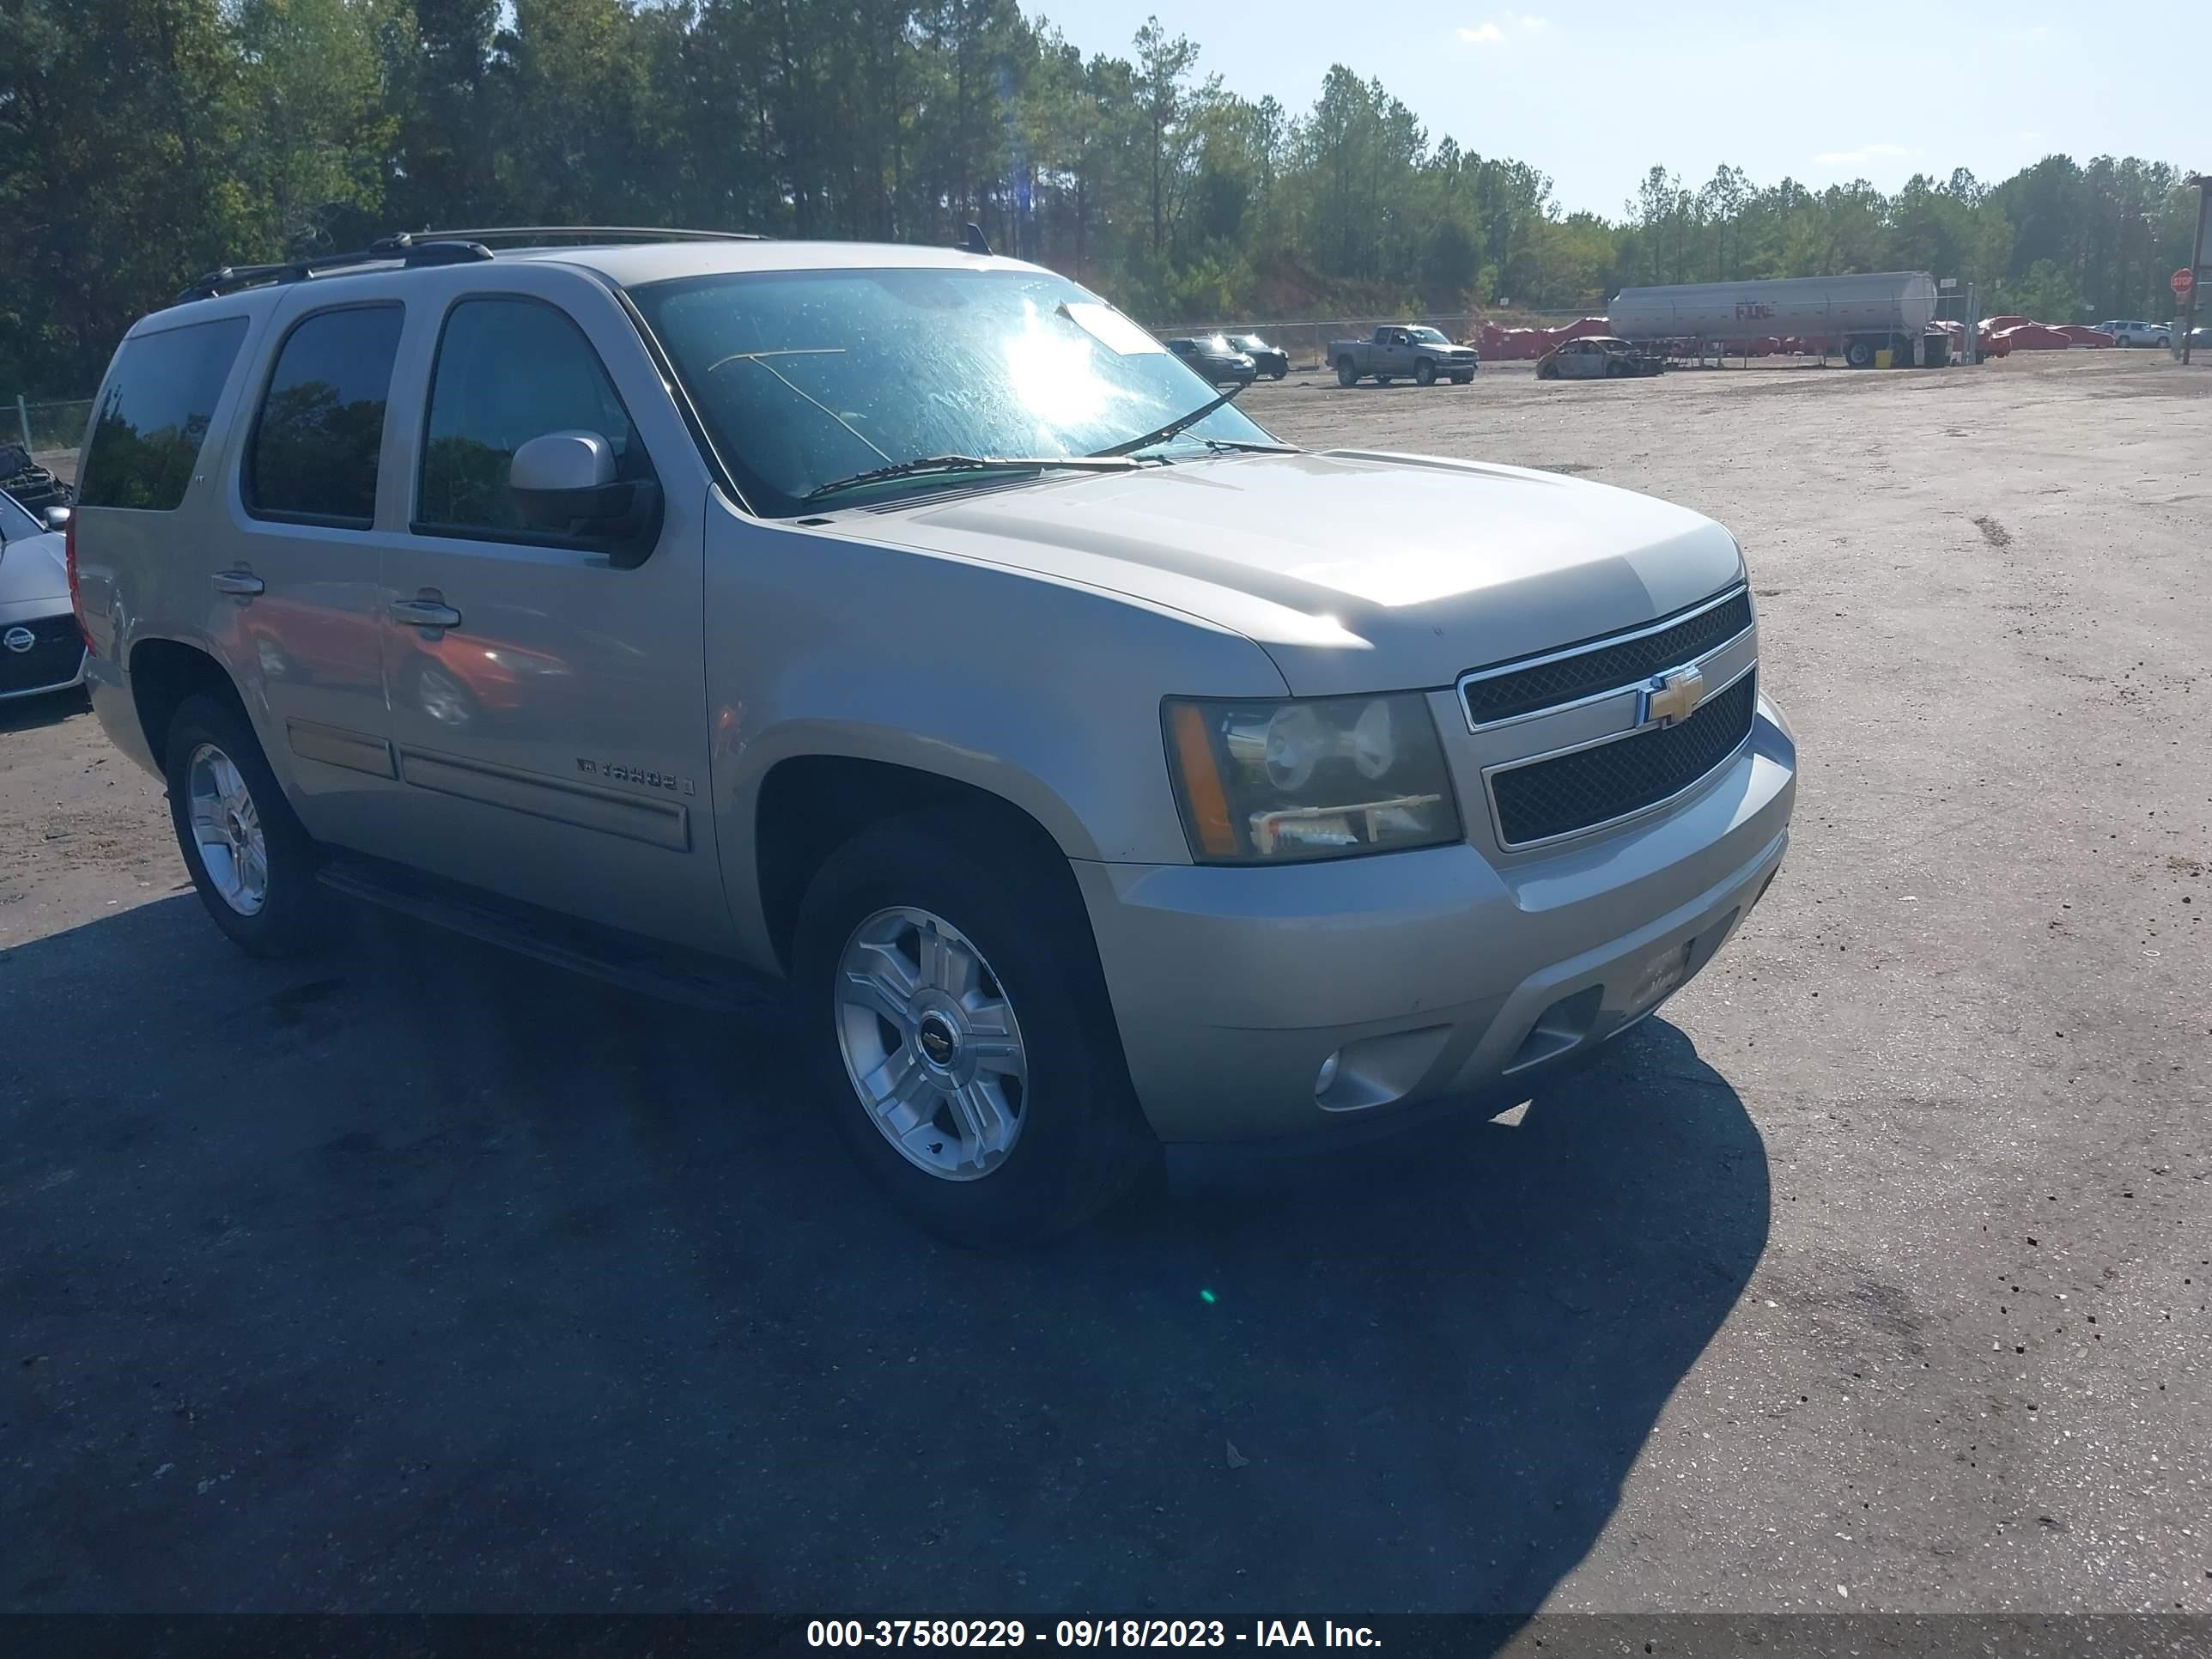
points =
(803, 377)
(1428, 334)
(15, 523)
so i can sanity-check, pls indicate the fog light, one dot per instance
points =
(1327, 1075)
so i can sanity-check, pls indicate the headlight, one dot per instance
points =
(1312, 778)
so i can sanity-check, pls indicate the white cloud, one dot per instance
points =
(1492, 34)
(1861, 157)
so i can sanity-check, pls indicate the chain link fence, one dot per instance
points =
(51, 431)
(1307, 340)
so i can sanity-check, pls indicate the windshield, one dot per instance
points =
(1428, 334)
(806, 377)
(15, 522)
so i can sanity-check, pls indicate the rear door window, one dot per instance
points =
(509, 370)
(154, 415)
(321, 425)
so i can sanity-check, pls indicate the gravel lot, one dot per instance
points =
(1874, 1276)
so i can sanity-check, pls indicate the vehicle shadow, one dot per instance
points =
(28, 714)
(422, 1277)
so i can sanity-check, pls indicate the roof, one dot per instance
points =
(633, 264)
(623, 256)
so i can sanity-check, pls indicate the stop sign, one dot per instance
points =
(2182, 281)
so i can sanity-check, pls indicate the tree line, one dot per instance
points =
(144, 141)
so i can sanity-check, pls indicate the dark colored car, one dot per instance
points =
(1597, 357)
(1273, 362)
(1220, 362)
(34, 489)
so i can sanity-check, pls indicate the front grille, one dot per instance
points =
(56, 651)
(1605, 667)
(1590, 787)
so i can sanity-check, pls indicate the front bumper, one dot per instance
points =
(1432, 975)
(41, 649)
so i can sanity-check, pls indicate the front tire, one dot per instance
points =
(1424, 372)
(952, 991)
(250, 860)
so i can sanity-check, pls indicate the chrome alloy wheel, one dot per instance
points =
(227, 828)
(931, 1043)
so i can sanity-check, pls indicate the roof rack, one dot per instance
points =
(406, 248)
(439, 248)
(540, 235)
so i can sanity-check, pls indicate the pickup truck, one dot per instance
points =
(1403, 351)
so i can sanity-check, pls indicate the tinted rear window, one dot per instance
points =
(321, 427)
(154, 415)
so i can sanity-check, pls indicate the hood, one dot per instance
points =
(1355, 571)
(33, 567)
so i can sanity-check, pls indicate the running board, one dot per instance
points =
(671, 973)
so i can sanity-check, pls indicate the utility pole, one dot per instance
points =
(2204, 183)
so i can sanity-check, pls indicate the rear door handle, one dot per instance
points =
(239, 583)
(425, 613)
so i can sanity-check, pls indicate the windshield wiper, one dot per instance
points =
(1161, 435)
(1111, 461)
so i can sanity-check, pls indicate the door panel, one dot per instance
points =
(301, 595)
(548, 708)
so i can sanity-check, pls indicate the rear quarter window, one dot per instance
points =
(154, 414)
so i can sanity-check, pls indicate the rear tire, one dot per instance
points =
(250, 860)
(1345, 374)
(1066, 1138)
(1859, 355)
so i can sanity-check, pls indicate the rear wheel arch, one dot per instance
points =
(163, 673)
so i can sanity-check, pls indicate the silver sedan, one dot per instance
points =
(41, 649)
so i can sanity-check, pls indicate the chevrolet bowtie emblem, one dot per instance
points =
(1672, 697)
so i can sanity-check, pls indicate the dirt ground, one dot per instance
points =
(1875, 1275)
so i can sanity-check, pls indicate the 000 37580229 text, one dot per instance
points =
(1080, 1633)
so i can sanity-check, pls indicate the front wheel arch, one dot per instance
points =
(809, 806)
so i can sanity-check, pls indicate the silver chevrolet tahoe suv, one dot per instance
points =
(906, 626)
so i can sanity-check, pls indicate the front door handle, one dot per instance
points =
(239, 584)
(425, 613)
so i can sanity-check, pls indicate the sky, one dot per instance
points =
(1872, 91)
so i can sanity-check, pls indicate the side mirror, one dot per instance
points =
(565, 482)
(58, 518)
